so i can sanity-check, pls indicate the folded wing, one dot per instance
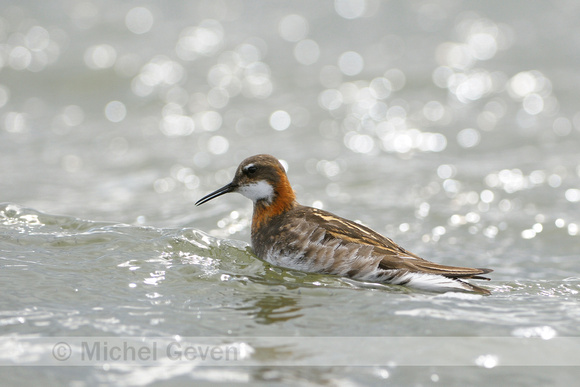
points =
(394, 256)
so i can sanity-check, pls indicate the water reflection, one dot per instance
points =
(271, 309)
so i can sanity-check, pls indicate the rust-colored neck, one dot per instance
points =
(284, 199)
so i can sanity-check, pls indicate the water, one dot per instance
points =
(452, 127)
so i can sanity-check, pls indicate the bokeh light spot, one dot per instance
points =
(280, 120)
(350, 63)
(139, 20)
(115, 111)
(350, 9)
(468, 138)
(307, 52)
(293, 28)
(218, 145)
(101, 56)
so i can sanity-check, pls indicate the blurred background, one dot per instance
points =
(130, 111)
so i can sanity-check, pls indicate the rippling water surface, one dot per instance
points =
(452, 127)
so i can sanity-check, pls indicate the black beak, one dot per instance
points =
(223, 190)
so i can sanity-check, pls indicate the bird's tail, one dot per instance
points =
(435, 282)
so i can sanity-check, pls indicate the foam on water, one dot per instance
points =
(64, 276)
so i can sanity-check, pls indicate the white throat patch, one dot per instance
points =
(258, 191)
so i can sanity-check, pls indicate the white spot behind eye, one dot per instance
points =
(258, 191)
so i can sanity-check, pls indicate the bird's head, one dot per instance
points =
(260, 178)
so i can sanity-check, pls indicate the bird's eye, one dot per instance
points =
(251, 170)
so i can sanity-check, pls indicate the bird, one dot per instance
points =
(287, 234)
